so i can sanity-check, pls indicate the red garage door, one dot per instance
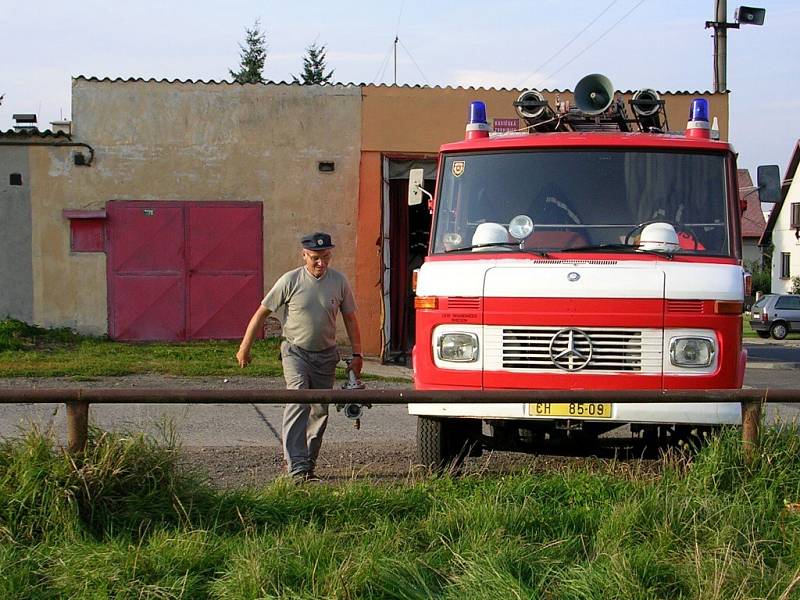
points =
(183, 270)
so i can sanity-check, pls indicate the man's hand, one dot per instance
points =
(255, 325)
(356, 363)
(243, 357)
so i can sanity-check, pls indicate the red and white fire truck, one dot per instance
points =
(591, 252)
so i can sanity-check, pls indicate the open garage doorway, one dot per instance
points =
(406, 233)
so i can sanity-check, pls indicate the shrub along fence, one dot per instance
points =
(78, 400)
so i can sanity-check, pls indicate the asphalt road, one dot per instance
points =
(786, 351)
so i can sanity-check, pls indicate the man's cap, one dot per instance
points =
(317, 241)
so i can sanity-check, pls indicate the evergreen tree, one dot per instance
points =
(253, 54)
(314, 67)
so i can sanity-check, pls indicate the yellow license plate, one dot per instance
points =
(574, 410)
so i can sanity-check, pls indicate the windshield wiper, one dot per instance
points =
(514, 245)
(634, 247)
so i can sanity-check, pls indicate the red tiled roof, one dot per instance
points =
(753, 223)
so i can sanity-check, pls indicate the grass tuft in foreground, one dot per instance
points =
(126, 520)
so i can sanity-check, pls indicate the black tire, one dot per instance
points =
(764, 335)
(443, 444)
(778, 331)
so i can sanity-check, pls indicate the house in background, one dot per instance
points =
(753, 222)
(783, 230)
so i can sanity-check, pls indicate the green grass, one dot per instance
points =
(747, 331)
(30, 351)
(125, 521)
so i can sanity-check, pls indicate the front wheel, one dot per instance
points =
(443, 444)
(778, 331)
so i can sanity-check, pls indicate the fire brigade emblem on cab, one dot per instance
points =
(571, 349)
(458, 168)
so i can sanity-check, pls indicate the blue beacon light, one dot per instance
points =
(478, 127)
(698, 119)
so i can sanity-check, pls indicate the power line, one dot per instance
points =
(602, 35)
(413, 61)
(382, 68)
(565, 46)
(400, 14)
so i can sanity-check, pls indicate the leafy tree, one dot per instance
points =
(253, 55)
(761, 276)
(314, 67)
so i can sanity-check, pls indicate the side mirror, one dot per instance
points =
(416, 182)
(769, 183)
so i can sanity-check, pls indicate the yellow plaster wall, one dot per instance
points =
(195, 141)
(407, 119)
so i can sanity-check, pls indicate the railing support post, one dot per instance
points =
(751, 420)
(77, 425)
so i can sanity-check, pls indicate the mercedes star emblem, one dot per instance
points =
(573, 276)
(571, 349)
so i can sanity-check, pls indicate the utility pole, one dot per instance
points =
(721, 46)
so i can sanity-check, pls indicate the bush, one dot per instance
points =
(761, 277)
(18, 335)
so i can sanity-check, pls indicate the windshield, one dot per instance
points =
(585, 198)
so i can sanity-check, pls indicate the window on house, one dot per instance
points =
(785, 257)
(795, 214)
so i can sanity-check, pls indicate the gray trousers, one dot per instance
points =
(304, 424)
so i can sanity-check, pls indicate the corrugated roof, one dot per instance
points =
(353, 84)
(753, 223)
(34, 133)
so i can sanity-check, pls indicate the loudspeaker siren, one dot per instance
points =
(594, 94)
(749, 15)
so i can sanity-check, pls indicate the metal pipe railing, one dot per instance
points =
(77, 400)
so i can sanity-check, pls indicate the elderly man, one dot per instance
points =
(307, 300)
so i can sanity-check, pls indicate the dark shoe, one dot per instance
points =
(305, 477)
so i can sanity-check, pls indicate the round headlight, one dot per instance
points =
(520, 227)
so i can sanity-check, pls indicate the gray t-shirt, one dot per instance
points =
(307, 306)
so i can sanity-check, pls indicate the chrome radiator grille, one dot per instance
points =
(586, 349)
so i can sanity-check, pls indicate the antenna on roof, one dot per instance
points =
(396, 39)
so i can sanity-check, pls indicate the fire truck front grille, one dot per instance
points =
(579, 350)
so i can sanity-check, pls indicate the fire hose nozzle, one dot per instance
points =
(352, 383)
(353, 411)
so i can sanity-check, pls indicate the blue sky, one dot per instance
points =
(504, 43)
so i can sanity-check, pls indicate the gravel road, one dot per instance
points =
(238, 445)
